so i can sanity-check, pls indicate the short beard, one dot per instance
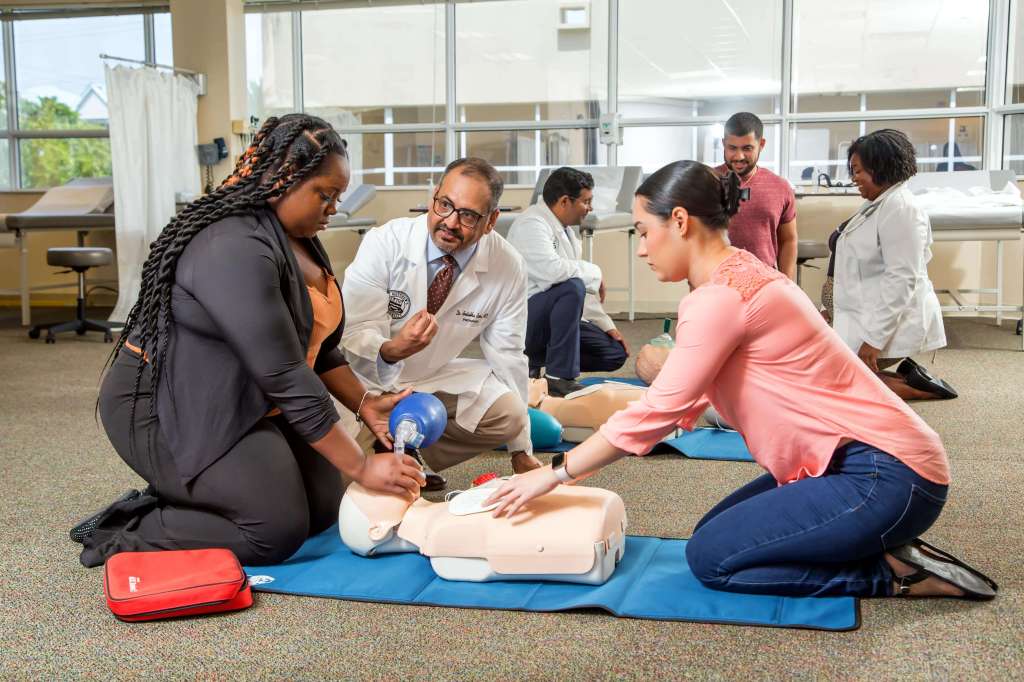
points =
(750, 169)
(457, 238)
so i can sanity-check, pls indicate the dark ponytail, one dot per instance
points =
(730, 193)
(285, 151)
(692, 185)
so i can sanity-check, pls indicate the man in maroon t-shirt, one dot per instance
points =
(766, 222)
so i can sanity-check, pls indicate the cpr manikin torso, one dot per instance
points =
(583, 412)
(573, 534)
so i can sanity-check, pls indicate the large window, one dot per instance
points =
(268, 64)
(940, 144)
(684, 60)
(60, 107)
(163, 39)
(375, 65)
(520, 154)
(395, 158)
(868, 55)
(652, 147)
(867, 58)
(532, 78)
(526, 60)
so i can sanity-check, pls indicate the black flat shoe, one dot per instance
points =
(87, 526)
(932, 561)
(559, 388)
(918, 377)
(434, 480)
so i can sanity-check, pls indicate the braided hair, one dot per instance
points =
(285, 151)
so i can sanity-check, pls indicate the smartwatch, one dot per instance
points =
(558, 466)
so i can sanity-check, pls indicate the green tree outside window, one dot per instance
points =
(52, 162)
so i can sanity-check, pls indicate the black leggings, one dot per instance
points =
(261, 499)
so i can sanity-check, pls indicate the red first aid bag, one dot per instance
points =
(173, 583)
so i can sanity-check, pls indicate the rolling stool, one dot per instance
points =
(806, 250)
(77, 259)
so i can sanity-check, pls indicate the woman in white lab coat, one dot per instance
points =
(884, 306)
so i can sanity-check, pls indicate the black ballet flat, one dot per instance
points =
(434, 481)
(918, 377)
(931, 561)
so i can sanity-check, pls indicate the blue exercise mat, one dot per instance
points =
(590, 381)
(653, 581)
(707, 443)
(564, 446)
(701, 443)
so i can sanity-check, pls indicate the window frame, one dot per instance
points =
(13, 133)
(993, 112)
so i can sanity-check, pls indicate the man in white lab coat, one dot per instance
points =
(420, 290)
(567, 331)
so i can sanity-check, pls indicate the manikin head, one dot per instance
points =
(367, 521)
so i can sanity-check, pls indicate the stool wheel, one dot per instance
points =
(51, 339)
(80, 332)
(33, 333)
(108, 337)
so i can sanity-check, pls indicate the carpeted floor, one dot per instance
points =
(57, 465)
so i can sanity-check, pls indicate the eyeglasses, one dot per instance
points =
(468, 219)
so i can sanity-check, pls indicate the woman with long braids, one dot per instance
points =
(218, 393)
(854, 476)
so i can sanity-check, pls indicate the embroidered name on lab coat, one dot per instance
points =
(470, 317)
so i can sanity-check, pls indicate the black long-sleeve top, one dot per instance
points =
(237, 347)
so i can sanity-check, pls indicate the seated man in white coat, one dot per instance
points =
(567, 331)
(419, 291)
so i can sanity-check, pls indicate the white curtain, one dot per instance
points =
(152, 149)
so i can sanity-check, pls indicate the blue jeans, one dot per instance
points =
(818, 536)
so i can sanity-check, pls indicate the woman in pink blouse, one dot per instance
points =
(843, 502)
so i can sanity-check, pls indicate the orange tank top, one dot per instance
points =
(326, 316)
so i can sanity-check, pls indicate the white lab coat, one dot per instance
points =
(882, 294)
(552, 255)
(387, 283)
